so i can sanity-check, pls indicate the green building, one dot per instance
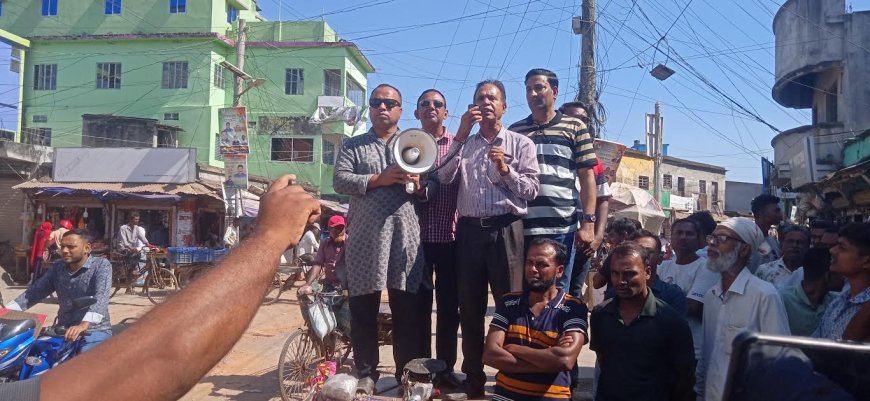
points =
(105, 61)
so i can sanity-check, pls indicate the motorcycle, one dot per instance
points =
(24, 355)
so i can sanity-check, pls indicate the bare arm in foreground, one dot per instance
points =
(173, 346)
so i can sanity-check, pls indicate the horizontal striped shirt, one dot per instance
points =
(483, 191)
(562, 146)
(562, 314)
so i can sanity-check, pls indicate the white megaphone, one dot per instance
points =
(415, 151)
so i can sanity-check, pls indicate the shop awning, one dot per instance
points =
(103, 190)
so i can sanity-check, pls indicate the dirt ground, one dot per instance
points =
(249, 371)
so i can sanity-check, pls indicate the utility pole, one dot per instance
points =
(240, 63)
(655, 137)
(588, 81)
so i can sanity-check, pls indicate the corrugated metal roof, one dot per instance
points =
(193, 188)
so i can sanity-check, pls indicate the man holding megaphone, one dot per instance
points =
(383, 249)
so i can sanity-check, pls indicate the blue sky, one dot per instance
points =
(722, 52)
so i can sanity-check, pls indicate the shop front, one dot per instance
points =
(172, 214)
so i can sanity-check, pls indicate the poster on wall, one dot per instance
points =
(610, 154)
(234, 131)
(236, 171)
(184, 228)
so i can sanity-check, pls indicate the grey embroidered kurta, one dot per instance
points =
(383, 246)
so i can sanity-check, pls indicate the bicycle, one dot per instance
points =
(158, 282)
(304, 350)
(282, 281)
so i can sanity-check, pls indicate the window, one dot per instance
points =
(49, 8)
(355, 92)
(643, 182)
(702, 187)
(292, 150)
(294, 82)
(108, 75)
(714, 187)
(40, 118)
(174, 75)
(331, 82)
(37, 136)
(681, 186)
(177, 6)
(220, 76)
(667, 181)
(328, 153)
(170, 116)
(45, 77)
(113, 7)
(232, 14)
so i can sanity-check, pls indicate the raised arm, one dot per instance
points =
(161, 357)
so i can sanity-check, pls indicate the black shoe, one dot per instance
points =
(473, 390)
(448, 380)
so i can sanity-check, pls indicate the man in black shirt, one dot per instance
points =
(644, 346)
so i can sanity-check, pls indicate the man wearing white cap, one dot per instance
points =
(739, 302)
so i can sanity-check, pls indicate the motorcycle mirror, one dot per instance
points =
(83, 302)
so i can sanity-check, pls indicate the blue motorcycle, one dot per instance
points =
(23, 355)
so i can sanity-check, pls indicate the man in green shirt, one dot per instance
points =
(806, 301)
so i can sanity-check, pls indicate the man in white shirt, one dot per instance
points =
(309, 243)
(738, 302)
(788, 270)
(231, 236)
(688, 271)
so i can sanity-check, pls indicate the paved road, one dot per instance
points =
(249, 371)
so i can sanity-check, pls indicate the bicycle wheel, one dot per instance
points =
(276, 287)
(298, 362)
(160, 284)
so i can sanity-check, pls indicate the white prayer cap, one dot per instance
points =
(746, 229)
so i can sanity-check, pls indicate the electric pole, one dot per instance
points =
(588, 81)
(655, 137)
(240, 64)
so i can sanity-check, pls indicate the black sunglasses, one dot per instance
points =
(390, 103)
(437, 103)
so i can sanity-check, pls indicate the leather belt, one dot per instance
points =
(490, 222)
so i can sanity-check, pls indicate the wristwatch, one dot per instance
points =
(587, 218)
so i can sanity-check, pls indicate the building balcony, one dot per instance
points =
(806, 154)
(809, 41)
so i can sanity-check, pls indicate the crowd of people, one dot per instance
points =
(517, 212)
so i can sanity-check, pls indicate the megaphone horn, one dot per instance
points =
(415, 151)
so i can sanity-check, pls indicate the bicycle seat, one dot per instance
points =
(11, 327)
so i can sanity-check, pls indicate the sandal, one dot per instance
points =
(365, 387)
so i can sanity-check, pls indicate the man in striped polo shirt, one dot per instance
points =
(535, 336)
(564, 149)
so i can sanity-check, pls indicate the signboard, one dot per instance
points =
(610, 154)
(125, 165)
(234, 130)
(802, 165)
(236, 171)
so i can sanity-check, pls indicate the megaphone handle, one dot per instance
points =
(409, 187)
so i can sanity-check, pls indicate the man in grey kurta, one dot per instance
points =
(383, 246)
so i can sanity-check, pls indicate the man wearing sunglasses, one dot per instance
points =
(739, 302)
(564, 154)
(438, 233)
(383, 249)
